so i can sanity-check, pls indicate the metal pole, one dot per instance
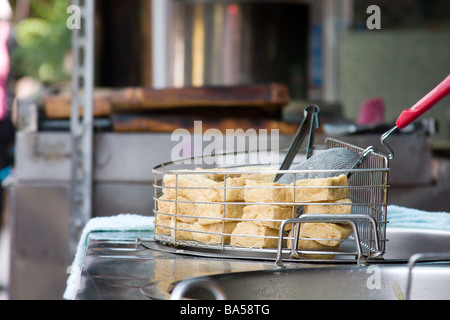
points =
(81, 125)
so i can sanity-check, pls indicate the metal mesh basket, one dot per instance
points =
(236, 210)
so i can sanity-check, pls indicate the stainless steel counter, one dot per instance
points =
(132, 266)
(119, 265)
(129, 265)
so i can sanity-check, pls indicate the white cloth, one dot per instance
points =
(121, 222)
(413, 218)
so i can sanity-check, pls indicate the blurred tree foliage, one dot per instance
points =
(43, 42)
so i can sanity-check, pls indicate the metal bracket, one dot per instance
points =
(328, 218)
(204, 283)
(437, 256)
(81, 120)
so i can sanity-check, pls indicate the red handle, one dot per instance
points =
(423, 105)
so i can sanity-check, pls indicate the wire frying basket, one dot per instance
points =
(238, 211)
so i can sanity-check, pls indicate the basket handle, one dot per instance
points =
(423, 105)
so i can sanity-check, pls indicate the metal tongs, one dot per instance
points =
(308, 128)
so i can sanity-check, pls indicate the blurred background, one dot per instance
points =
(158, 65)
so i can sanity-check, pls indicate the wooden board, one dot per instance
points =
(273, 95)
(268, 99)
(141, 123)
(59, 106)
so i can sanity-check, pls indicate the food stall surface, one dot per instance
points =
(118, 266)
(128, 264)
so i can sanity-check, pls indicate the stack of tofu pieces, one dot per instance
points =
(247, 209)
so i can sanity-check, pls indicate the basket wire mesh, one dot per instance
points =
(210, 209)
